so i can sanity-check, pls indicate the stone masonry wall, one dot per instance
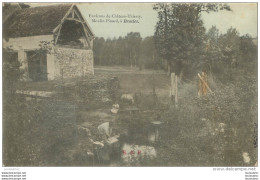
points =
(71, 63)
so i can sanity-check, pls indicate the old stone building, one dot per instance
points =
(51, 42)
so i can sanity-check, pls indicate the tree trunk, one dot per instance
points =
(168, 68)
(162, 64)
(130, 55)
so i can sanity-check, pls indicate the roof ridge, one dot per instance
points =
(62, 4)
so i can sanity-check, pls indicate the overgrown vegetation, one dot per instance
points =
(214, 130)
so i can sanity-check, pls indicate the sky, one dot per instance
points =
(242, 17)
(111, 20)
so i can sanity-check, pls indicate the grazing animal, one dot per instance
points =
(128, 98)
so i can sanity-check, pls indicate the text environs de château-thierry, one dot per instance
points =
(115, 18)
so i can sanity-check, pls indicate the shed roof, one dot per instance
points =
(35, 21)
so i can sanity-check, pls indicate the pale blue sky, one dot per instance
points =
(243, 17)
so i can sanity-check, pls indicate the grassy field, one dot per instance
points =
(131, 80)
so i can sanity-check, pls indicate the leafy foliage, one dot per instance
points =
(180, 34)
(229, 44)
(148, 55)
(128, 50)
(192, 134)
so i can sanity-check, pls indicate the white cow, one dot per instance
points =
(128, 98)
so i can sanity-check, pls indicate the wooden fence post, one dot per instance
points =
(172, 90)
(203, 85)
(62, 75)
(176, 90)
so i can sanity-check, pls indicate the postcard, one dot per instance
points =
(130, 85)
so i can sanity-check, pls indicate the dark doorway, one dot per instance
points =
(72, 35)
(12, 56)
(37, 65)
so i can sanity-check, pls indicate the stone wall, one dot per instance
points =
(71, 63)
(67, 61)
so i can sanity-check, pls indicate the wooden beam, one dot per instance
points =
(172, 91)
(71, 19)
(72, 13)
(86, 35)
(204, 83)
(56, 40)
(67, 13)
(57, 28)
(88, 30)
(87, 25)
(176, 90)
(77, 15)
(84, 23)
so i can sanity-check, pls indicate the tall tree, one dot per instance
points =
(133, 40)
(213, 52)
(213, 34)
(162, 32)
(247, 48)
(98, 50)
(148, 53)
(230, 46)
(180, 34)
